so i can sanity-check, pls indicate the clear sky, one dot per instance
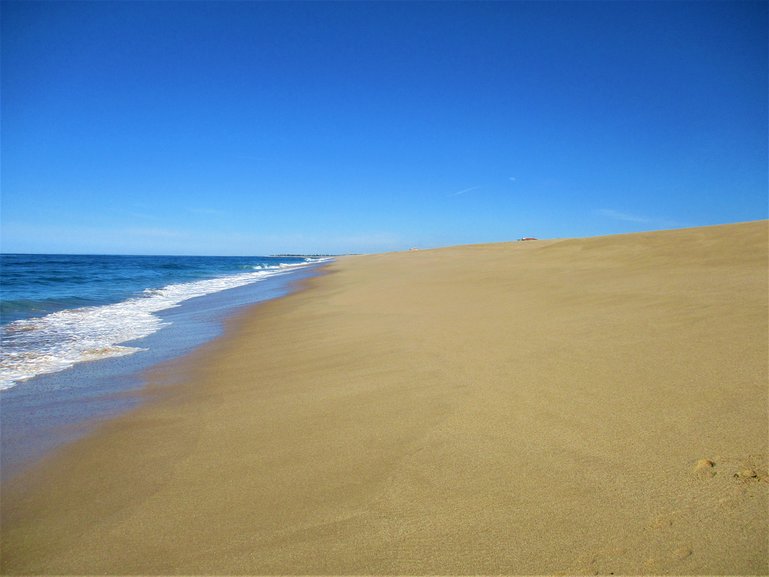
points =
(257, 127)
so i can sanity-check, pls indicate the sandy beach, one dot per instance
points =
(582, 406)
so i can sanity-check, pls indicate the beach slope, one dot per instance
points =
(571, 406)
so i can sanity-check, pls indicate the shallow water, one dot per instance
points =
(48, 410)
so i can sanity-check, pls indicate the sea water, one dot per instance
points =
(78, 330)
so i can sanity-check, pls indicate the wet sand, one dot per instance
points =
(578, 406)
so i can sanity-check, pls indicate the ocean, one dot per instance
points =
(77, 331)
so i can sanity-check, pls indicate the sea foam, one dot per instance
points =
(57, 341)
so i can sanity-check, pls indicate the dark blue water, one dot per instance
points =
(39, 284)
(59, 310)
(79, 331)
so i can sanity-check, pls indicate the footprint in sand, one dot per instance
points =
(747, 469)
(705, 468)
(682, 552)
(653, 564)
(747, 474)
(663, 521)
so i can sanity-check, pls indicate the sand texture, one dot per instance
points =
(563, 407)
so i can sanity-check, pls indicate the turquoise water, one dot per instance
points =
(78, 331)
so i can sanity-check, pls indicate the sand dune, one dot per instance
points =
(577, 406)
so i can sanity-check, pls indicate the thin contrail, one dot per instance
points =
(465, 190)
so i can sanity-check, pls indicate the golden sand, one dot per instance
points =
(579, 406)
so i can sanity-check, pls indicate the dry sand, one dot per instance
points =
(580, 406)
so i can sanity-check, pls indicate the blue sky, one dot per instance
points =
(256, 128)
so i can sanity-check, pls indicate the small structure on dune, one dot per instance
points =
(527, 238)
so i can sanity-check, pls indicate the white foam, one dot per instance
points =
(57, 341)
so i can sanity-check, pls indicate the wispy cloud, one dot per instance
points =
(341, 243)
(624, 216)
(636, 218)
(463, 191)
(207, 211)
(140, 215)
(154, 233)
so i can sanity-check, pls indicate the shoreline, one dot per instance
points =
(54, 409)
(578, 405)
